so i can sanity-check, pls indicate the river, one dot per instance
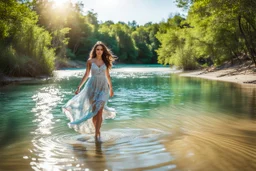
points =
(163, 122)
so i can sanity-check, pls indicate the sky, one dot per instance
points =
(142, 11)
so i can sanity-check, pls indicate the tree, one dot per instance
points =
(25, 46)
(233, 21)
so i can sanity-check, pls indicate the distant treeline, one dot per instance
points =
(36, 35)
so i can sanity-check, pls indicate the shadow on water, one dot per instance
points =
(90, 156)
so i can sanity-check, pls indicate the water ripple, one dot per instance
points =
(117, 145)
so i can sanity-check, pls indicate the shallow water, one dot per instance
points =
(164, 122)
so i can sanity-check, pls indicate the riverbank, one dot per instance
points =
(67, 63)
(241, 74)
(6, 80)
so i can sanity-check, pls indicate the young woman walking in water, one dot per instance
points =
(88, 107)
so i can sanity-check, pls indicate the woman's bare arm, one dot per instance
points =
(111, 93)
(86, 75)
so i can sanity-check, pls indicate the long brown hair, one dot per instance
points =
(107, 55)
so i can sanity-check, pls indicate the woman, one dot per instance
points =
(88, 108)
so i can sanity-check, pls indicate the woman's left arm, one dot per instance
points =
(111, 93)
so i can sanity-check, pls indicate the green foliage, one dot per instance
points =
(127, 48)
(36, 34)
(70, 54)
(176, 44)
(85, 30)
(184, 3)
(141, 37)
(217, 30)
(25, 45)
(33, 34)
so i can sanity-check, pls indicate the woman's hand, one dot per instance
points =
(77, 91)
(111, 93)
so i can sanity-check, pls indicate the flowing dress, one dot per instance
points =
(85, 105)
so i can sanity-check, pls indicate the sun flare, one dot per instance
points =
(59, 3)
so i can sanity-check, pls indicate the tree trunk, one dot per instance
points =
(76, 47)
(250, 49)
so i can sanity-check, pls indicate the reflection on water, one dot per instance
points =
(164, 122)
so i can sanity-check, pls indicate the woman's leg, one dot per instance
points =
(94, 120)
(98, 122)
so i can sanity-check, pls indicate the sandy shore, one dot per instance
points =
(235, 75)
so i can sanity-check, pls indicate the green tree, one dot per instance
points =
(141, 38)
(25, 46)
(229, 26)
(176, 44)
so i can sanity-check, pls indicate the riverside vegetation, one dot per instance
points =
(37, 36)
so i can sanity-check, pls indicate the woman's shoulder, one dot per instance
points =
(90, 60)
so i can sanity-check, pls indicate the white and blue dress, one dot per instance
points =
(85, 105)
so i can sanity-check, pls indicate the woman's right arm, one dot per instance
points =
(86, 75)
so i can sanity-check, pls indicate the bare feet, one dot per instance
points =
(97, 137)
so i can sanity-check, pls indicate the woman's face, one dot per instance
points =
(99, 50)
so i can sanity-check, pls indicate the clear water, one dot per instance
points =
(164, 122)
